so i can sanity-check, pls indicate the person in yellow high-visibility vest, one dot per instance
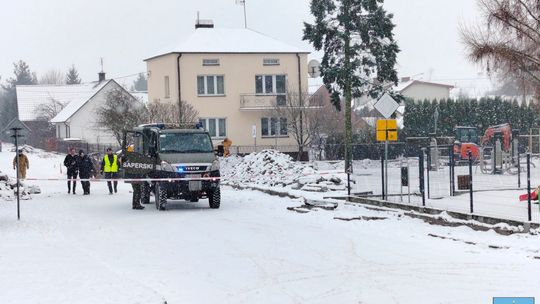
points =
(109, 167)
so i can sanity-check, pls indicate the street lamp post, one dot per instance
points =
(16, 136)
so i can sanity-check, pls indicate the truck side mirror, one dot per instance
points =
(220, 150)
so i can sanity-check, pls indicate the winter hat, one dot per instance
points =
(81, 152)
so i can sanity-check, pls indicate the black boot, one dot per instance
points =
(138, 207)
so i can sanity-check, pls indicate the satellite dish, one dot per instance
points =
(314, 69)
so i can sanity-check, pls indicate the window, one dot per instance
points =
(270, 61)
(216, 127)
(184, 143)
(272, 85)
(167, 88)
(210, 85)
(68, 132)
(210, 62)
(273, 126)
(58, 132)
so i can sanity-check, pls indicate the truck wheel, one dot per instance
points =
(215, 198)
(145, 193)
(160, 195)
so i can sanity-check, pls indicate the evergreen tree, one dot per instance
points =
(72, 76)
(8, 100)
(358, 43)
(140, 84)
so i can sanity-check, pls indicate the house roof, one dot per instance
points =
(31, 96)
(223, 40)
(78, 103)
(404, 85)
(140, 95)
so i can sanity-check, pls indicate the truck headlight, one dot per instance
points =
(165, 166)
(215, 165)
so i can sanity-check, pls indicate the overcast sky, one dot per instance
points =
(54, 34)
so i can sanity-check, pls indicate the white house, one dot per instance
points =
(422, 90)
(78, 119)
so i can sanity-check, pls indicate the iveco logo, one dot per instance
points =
(192, 168)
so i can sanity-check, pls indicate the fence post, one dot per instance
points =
(382, 175)
(451, 169)
(519, 168)
(421, 176)
(428, 169)
(471, 181)
(529, 186)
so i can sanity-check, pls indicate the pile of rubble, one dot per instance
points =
(8, 188)
(275, 169)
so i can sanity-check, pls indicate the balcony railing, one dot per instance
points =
(250, 102)
(261, 102)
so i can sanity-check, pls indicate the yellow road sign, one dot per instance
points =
(387, 130)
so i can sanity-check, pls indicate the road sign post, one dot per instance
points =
(386, 131)
(16, 129)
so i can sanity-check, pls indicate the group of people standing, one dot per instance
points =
(81, 166)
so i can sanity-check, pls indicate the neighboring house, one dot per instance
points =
(422, 90)
(78, 119)
(233, 78)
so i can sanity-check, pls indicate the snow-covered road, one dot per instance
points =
(95, 249)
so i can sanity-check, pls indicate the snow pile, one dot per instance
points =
(8, 188)
(268, 167)
(29, 150)
(273, 168)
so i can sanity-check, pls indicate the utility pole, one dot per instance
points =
(243, 3)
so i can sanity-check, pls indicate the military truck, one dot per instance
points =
(163, 151)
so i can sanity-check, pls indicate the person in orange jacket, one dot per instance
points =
(23, 164)
(226, 147)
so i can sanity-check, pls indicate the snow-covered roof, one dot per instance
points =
(314, 84)
(404, 85)
(83, 96)
(30, 96)
(223, 40)
(140, 95)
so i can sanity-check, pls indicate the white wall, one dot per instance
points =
(421, 91)
(83, 124)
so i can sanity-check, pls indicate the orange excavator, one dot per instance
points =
(467, 140)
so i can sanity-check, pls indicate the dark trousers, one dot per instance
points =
(72, 175)
(137, 188)
(111, 175)
(86, 187)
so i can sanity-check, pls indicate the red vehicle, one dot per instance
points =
(467, 139)
(502, 132)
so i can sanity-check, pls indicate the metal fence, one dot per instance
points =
(434, 176)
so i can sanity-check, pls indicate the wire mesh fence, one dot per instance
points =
(498, 178)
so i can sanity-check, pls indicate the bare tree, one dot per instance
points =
(47, 111)
(52, 77)
(303, 114)
(120, 112)
(167, 112)
(508, 41)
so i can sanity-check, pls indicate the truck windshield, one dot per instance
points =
(185, 143)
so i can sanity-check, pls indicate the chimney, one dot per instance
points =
(203, 23)
(101, 76)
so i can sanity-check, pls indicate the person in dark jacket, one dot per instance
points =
(72, 169)
(86, 171)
